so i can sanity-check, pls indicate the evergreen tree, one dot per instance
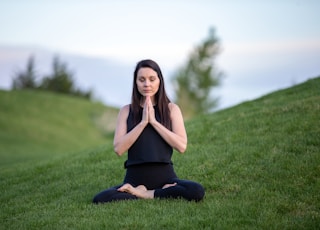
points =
(194, 81)
(61, 79)
(26, 79)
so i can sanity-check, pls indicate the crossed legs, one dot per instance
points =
(141, 191)
(176, 188)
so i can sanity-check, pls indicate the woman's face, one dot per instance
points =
(147, 82)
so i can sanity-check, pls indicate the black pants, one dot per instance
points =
(154, 176)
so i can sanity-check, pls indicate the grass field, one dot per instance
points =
(36, 125)
(258, 161)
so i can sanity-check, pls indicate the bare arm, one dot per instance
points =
(177, 138)
(123, 140)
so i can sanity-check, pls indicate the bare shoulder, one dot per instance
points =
(124, 111)
(125, 108)
(174, 108)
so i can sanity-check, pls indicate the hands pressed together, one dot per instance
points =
(148, 115)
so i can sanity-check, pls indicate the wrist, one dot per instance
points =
(153, 122)
(143, 124)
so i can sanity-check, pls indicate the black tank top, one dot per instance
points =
(150, 147)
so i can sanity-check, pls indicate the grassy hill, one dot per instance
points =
(259, 163)
(36, 125)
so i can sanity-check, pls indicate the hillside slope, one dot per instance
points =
(36, 125)
(266, 150)
(259, 163)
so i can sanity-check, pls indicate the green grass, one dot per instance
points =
(259, 163)
(35, 125)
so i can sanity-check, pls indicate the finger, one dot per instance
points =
(145, 103)
(149, 101)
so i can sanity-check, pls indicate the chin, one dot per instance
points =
(148, 94)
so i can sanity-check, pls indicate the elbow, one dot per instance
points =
(182, 148)
(182, 145)
(117, 150)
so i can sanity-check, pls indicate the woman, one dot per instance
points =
(149, 129)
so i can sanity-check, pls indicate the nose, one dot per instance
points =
(146, 83)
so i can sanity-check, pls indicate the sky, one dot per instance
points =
(265, 45)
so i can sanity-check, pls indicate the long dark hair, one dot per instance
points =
(161, 98)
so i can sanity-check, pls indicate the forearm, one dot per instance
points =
(122, 144)
(178, 142)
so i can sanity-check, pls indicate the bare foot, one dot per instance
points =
(169, 185)
(139, 191)
(142, 188)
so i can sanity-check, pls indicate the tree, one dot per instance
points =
(194, 81)
(61, 80)
(26, 79)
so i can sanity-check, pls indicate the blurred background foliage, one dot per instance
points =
(193, 82)
(61, 79)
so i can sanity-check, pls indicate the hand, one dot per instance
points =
(145, 113)
(151, 114)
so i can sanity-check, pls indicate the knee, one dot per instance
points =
(96, 200)
(99, 198)
(198, 192)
